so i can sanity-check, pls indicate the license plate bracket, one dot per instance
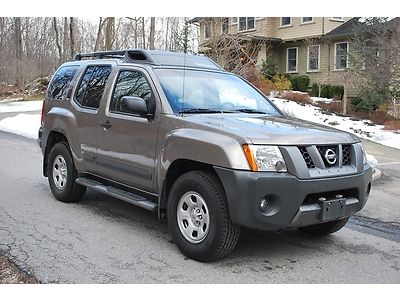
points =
(332, 208)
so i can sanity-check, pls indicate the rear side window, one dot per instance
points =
(91, 87)
(58, 87)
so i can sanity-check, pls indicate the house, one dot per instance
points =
(313, 46)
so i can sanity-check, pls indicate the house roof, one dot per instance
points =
(344, 30)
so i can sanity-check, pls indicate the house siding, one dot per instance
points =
(297, 35)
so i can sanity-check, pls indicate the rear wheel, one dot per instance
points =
(62, 174)
(198, 217)
(325, 228)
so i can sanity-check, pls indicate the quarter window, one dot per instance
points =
(341, 50)
(58, 87)
(92, 86)
(132, 83)
(286, 21)
(292, 60)
(313, 58)
(246, 23)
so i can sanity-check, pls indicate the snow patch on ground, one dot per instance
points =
(362, 128)
(21, 106)
(22, 124)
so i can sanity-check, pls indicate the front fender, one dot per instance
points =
(201, 146)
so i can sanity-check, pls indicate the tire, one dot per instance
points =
(63, 187)
(213, 241)
(325, 228)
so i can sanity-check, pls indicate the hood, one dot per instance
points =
(263, 129)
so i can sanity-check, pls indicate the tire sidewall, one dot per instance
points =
(203, 250)
(63, 150)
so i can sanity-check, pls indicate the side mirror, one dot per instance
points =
(134, 105)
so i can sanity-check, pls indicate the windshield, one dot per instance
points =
(211, 92)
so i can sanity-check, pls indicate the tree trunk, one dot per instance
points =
(166, 34)
(72, 36)
(345, 98)
(143, 34)
(60, 55)
(136, 33)
(152, 33)
(18, 51)
(110, 33)
(98, 37)
(65, 45)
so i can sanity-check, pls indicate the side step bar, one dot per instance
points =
(117, 193)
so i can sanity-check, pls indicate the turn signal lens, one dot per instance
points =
(250, 158)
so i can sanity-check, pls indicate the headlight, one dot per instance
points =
(364, 153)
(264, 158)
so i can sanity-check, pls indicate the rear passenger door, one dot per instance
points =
(87, 98)
(127, 144)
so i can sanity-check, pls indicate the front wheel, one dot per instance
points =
(325, 228)
(62, 174)
(198, 217)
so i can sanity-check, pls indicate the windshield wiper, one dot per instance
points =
(200, 111)
(249, 111)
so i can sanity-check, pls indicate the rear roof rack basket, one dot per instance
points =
(134, 56)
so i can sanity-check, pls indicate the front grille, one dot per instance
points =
(346, 155)
(323, 150)
(326, 154)
(307, 157)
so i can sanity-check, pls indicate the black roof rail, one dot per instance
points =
(131, 55)
(153, 57)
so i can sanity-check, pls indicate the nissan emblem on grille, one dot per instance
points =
(330, 156)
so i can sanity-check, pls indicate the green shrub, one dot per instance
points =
(268, 69)
(367, 101)
(300, 83)
(328, 91)
(281, 83)
(314, 90)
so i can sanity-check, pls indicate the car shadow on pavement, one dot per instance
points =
(285, 246)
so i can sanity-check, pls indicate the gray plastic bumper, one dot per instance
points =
(292, 202)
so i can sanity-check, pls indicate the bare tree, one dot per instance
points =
(18, 50)
(99, 34)
(72, 36)
(152, 33)
(375, 61)
(109, 33)
(57, 40)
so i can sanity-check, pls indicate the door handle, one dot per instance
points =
(106, 125)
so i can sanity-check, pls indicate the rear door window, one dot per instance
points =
(92, 85)
(60, 84)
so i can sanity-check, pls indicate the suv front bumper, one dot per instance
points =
(292, 202)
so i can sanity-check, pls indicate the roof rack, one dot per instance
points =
(131, 55)
(153, 57)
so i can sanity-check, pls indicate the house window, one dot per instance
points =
(234, 20)
(225, 25)
(341, 57)
(305, 20)
(246, 23)
(207, 30)
(337, 19)
(286, 21)
(291, 64)
(313, 58)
